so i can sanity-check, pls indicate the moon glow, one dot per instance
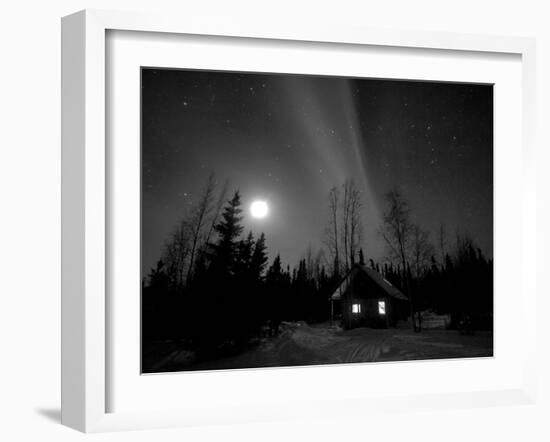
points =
(259, 209)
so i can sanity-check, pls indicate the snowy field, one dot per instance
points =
(301, 344)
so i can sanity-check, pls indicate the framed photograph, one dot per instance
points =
(303, 220)
(253, 214)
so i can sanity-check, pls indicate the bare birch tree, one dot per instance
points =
(345, 226)
(176, 254)
(397, 232)
(351, 223)
(421, 250)
(199, 218)
(344, 232)
(310, 264)
(222, 196)
(442, 243)
(192, 233)
(332, 231)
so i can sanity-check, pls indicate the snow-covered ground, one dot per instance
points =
(302, 344)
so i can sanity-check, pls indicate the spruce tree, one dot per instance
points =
(274, 273)
(243, 261)
(228, 229)
(259, 259)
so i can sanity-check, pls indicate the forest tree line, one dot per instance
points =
(214, 289)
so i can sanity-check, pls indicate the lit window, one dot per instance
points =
(356, 308)
(382, 307)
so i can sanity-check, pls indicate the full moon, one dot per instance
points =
(259, 209)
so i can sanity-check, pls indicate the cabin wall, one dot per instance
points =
(366, 293)
(369, 315)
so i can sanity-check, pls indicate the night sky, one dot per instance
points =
(287, 139)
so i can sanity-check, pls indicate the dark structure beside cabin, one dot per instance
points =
(366, 299)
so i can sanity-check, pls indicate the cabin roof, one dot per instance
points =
(372, 274)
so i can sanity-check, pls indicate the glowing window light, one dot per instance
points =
(382, 307)
(356, 308)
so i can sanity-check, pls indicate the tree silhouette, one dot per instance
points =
(199, 221)
(224, 251)
(343, 233)
(243, 260)
(176, 254)
(333, 230)
(397, 231)
(231, 298)
(259, 259)
(351, 223)
(422, 250)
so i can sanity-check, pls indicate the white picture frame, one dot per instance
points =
(85, 208)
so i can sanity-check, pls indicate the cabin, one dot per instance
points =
(365, 298)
